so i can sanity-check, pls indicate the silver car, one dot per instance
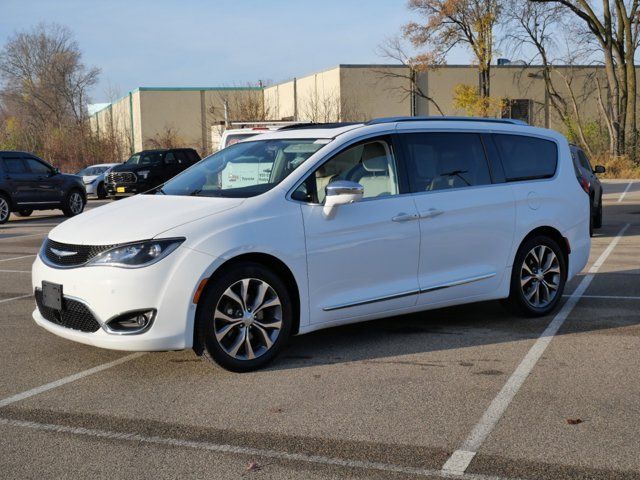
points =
(93, 178)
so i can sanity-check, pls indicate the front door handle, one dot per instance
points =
(432, 212)
(405, 217)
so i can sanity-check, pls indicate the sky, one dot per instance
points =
(154, 43)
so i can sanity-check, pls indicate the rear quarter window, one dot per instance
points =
(527, 158)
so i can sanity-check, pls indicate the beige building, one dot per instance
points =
(148, 116)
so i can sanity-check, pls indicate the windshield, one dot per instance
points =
(149, 158)
(89, 171)
(243, 170)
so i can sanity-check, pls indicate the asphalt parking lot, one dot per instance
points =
(465, 392)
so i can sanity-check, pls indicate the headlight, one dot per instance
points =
(143, 174)
(136, 255)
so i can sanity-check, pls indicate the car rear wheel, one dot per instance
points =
(538, 277)
(24, 213)
(597, 219)
(245, 318)
(74, 204)
(5, 209)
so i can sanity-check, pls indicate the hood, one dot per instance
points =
(137, 218)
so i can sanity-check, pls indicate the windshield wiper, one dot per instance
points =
(196, 192)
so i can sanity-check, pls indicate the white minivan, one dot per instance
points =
(353, 222)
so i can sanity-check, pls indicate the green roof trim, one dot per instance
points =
(191, 89)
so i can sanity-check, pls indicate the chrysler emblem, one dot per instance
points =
(62, 253)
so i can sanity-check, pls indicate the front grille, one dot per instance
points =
(121, 177)
(74, 314)
(82, 253)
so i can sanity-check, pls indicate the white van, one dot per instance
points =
(337, 224)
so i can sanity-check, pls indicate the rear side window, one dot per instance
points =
(37, 167)
(440, 161)
(14, 165)
(584, 161)
(527, 158)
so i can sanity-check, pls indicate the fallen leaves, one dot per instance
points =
(252, 467)
(574, 421)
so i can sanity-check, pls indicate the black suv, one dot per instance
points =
(28, 183)
(587, 173)
(148, 169)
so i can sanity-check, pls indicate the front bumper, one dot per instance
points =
(90, 188)
(168, 286)
(125, 189)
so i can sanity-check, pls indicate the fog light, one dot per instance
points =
(131, 322)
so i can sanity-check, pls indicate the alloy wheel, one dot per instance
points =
(4, 209)
(540, 276)
(76, 203)
(247, 319)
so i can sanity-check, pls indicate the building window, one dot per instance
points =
(519, 109)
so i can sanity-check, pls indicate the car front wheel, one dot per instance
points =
(5, 209)
(538, 277)
(74, 204)
(245, 318)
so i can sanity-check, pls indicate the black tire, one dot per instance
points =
(101, 192)
(208, 322)
(24, 213)
(518, 302)
(597, 219)
(5, 209)
(70, 207)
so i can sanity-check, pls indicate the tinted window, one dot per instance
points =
(527, 158)
(170, 158)
(37, 167)
(439, 161)
(14, 165)
(584, 161)
(182, 158)
(152, 159)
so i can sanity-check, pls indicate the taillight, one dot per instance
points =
(584, 183)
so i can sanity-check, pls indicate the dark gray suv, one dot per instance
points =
(28, 183)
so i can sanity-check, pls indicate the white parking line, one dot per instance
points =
(4, 300)
(15, 271)
(233, 449)
(69, 379)
(17, 235)
(16, 258)
(625, 192)
(607, 297)
(459, 461)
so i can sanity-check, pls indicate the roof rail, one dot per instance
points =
(298, 126)
(511, 121)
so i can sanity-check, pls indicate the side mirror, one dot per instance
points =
(599, 169)
(341, 192)
(55, 171)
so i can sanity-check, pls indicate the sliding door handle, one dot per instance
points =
(432, 212)
(405, 217)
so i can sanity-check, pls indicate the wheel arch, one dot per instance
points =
(553, 233)
(6, 195)
(267, 260)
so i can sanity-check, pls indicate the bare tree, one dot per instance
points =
(615, 28)
(451, 23)
(393, 49)
(45, 90)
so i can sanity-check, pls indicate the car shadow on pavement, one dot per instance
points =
(402, 338)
